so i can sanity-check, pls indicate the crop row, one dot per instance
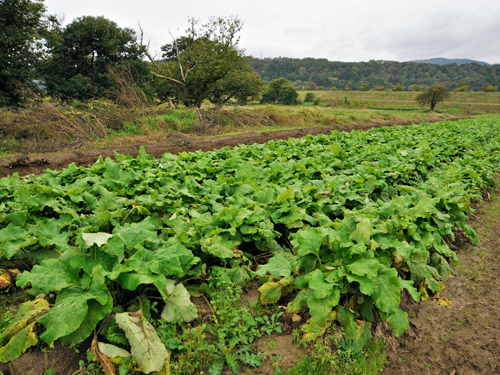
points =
(341, 223)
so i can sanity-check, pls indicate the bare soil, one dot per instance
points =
(177, 142)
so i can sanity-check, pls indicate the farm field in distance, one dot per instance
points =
(465, 102)
(324, 237)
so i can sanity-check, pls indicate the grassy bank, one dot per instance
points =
(54, 126)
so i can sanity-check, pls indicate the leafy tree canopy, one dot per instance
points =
(81, 54)
(206, 63)
(433, 95)
(23, 23)
(238, 84)
(280, 91)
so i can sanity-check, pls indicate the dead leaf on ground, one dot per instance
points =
(443, 301)
(107, 366)
(8, 277)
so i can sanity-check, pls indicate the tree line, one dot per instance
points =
(92, 58)
(376, 75)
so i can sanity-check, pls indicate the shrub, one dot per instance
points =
(309, 98)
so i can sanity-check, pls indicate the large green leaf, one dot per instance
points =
(278, 265)
(363, 232)
(51, 275)
(387, 295)
(399, 322)
(66, 316)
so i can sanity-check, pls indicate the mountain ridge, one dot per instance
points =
(444, 61)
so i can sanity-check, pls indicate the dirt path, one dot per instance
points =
(464, 338)
(178, 142)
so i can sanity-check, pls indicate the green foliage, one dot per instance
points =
(488, 87)
(347, 221)
(332, 356)
(462, 87)
(398, 87)
(363, 87)
(397, 108)
(280, 91)
(238, 84)
(207, 63)
(81, 54)
(234, 327)
(417, 88)
(433, 95)
(309, 98)
(22, 26)
(376, 73)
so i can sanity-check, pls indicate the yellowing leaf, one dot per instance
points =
(98, 238)
(443, 301)
(18, 344)
(270, 293)
(178, 304)
(313, 330)
(112, 351)
(28, 313)
(7, 277)
(147, 348)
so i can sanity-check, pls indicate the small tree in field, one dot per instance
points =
(488, 87)
(462, 87)
(398, 87)
(281, 91)
(433, 95)
(309, 98)
(363, 87)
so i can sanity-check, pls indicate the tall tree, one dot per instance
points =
(195, 64)
(81, 54)
(22, 25)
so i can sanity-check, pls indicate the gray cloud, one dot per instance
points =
(334, 29)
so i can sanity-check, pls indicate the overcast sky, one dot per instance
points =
(338, 30)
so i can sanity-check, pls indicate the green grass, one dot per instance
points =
(331, 355)
(467, 102)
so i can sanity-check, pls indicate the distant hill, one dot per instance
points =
(375, 73)
(444, 61)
